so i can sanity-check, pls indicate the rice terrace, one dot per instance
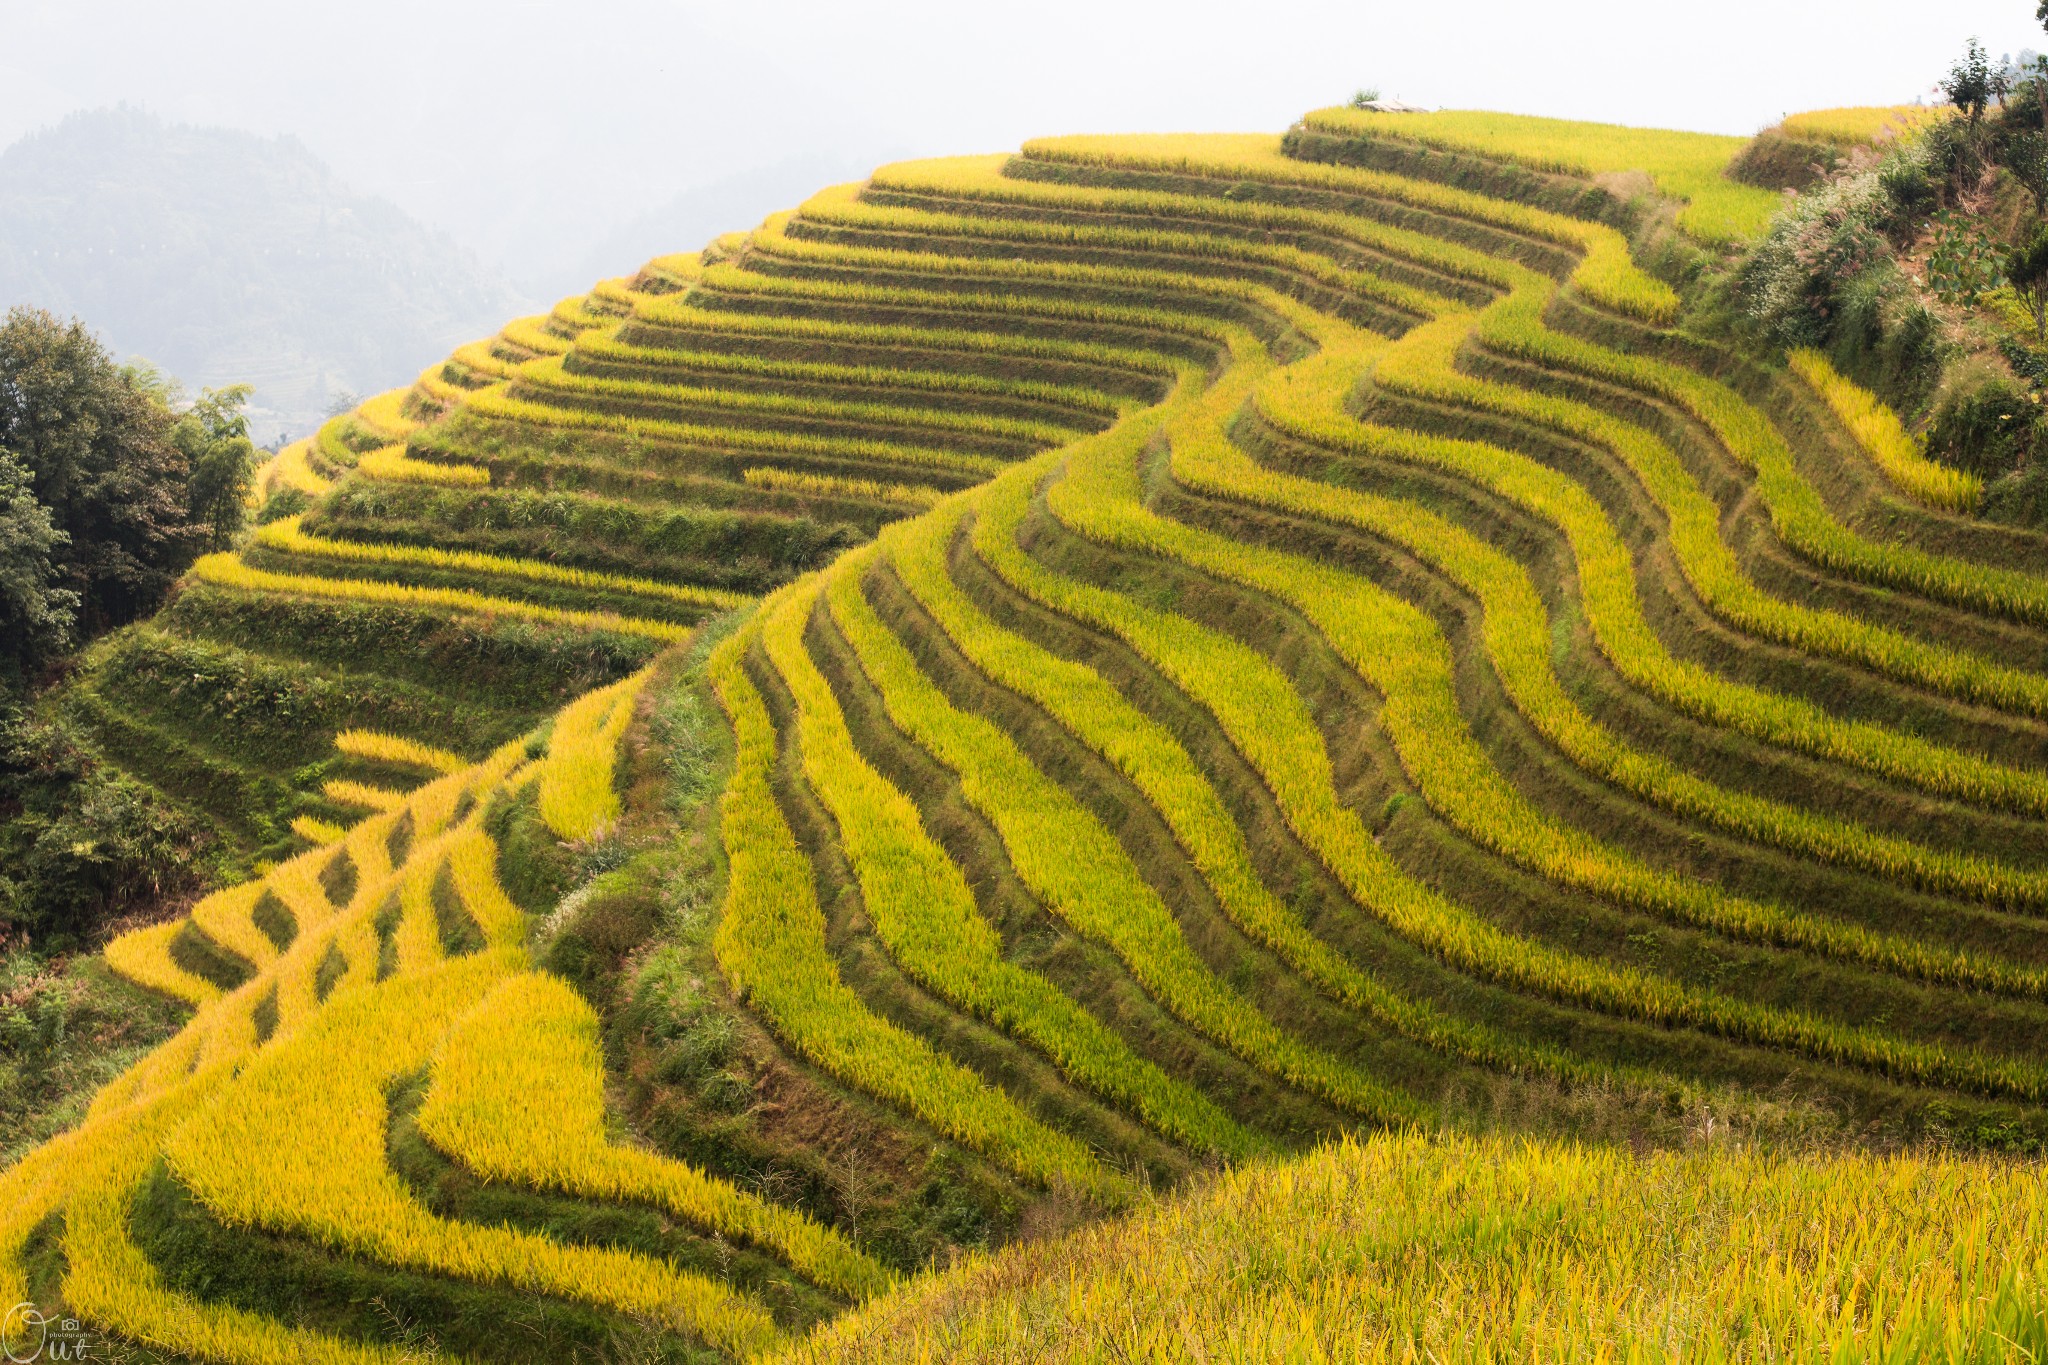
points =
(1423, 737)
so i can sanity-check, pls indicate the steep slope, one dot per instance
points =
(1253, 643)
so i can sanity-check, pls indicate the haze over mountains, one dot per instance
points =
(224, 257)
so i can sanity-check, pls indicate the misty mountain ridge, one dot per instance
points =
(225, 257)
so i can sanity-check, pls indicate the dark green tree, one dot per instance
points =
(96, 439)
(1968, 84)
(213, 436)
(2026, 270)
(2026, 157)
(35, 613)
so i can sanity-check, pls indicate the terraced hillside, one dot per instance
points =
(1255, 641)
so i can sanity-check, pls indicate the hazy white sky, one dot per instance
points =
(526, 128)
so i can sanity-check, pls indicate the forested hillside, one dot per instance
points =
(227, 258)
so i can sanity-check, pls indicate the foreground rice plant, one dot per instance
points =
(1420, 1247)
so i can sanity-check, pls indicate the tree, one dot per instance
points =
(2026, 270)
(213, 435)
(2026, 157)
(1968, 84)
(96, 440)
(35, 614)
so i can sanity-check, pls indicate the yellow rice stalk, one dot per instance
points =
(1063, 854)
(393, 464)
(224, 918)
(1884, 439)
(573, 315)
(770, 944)
(925, 914)
(144, 957)
(316, 831)
(433, 387)
(545, 378)
(265, 1155)
(344, 792)
(286, 534)
(795, 481)
(1306, 401)
(935, 381)
(1269, 724)
(529, 335)
(228, 571)
(518, 1095)
(492, 403)
(396, 749)
(1852, 126)
(476, 356)
(288, 470)
(1685, 166)
(1607, 274)
(1800, 517)
(689, 312)
(578, 798)
(384, 416)
(1439, 1247)
(679, 269)
(417, 938)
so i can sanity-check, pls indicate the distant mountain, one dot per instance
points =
(224, 257)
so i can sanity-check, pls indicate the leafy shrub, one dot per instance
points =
(1834, 234)
(1988, 430)
(1775, 160)
(2020, 497)
(1825, 276)
(81, 845)
(1964, 264)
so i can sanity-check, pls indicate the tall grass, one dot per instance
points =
(1419, 1247)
